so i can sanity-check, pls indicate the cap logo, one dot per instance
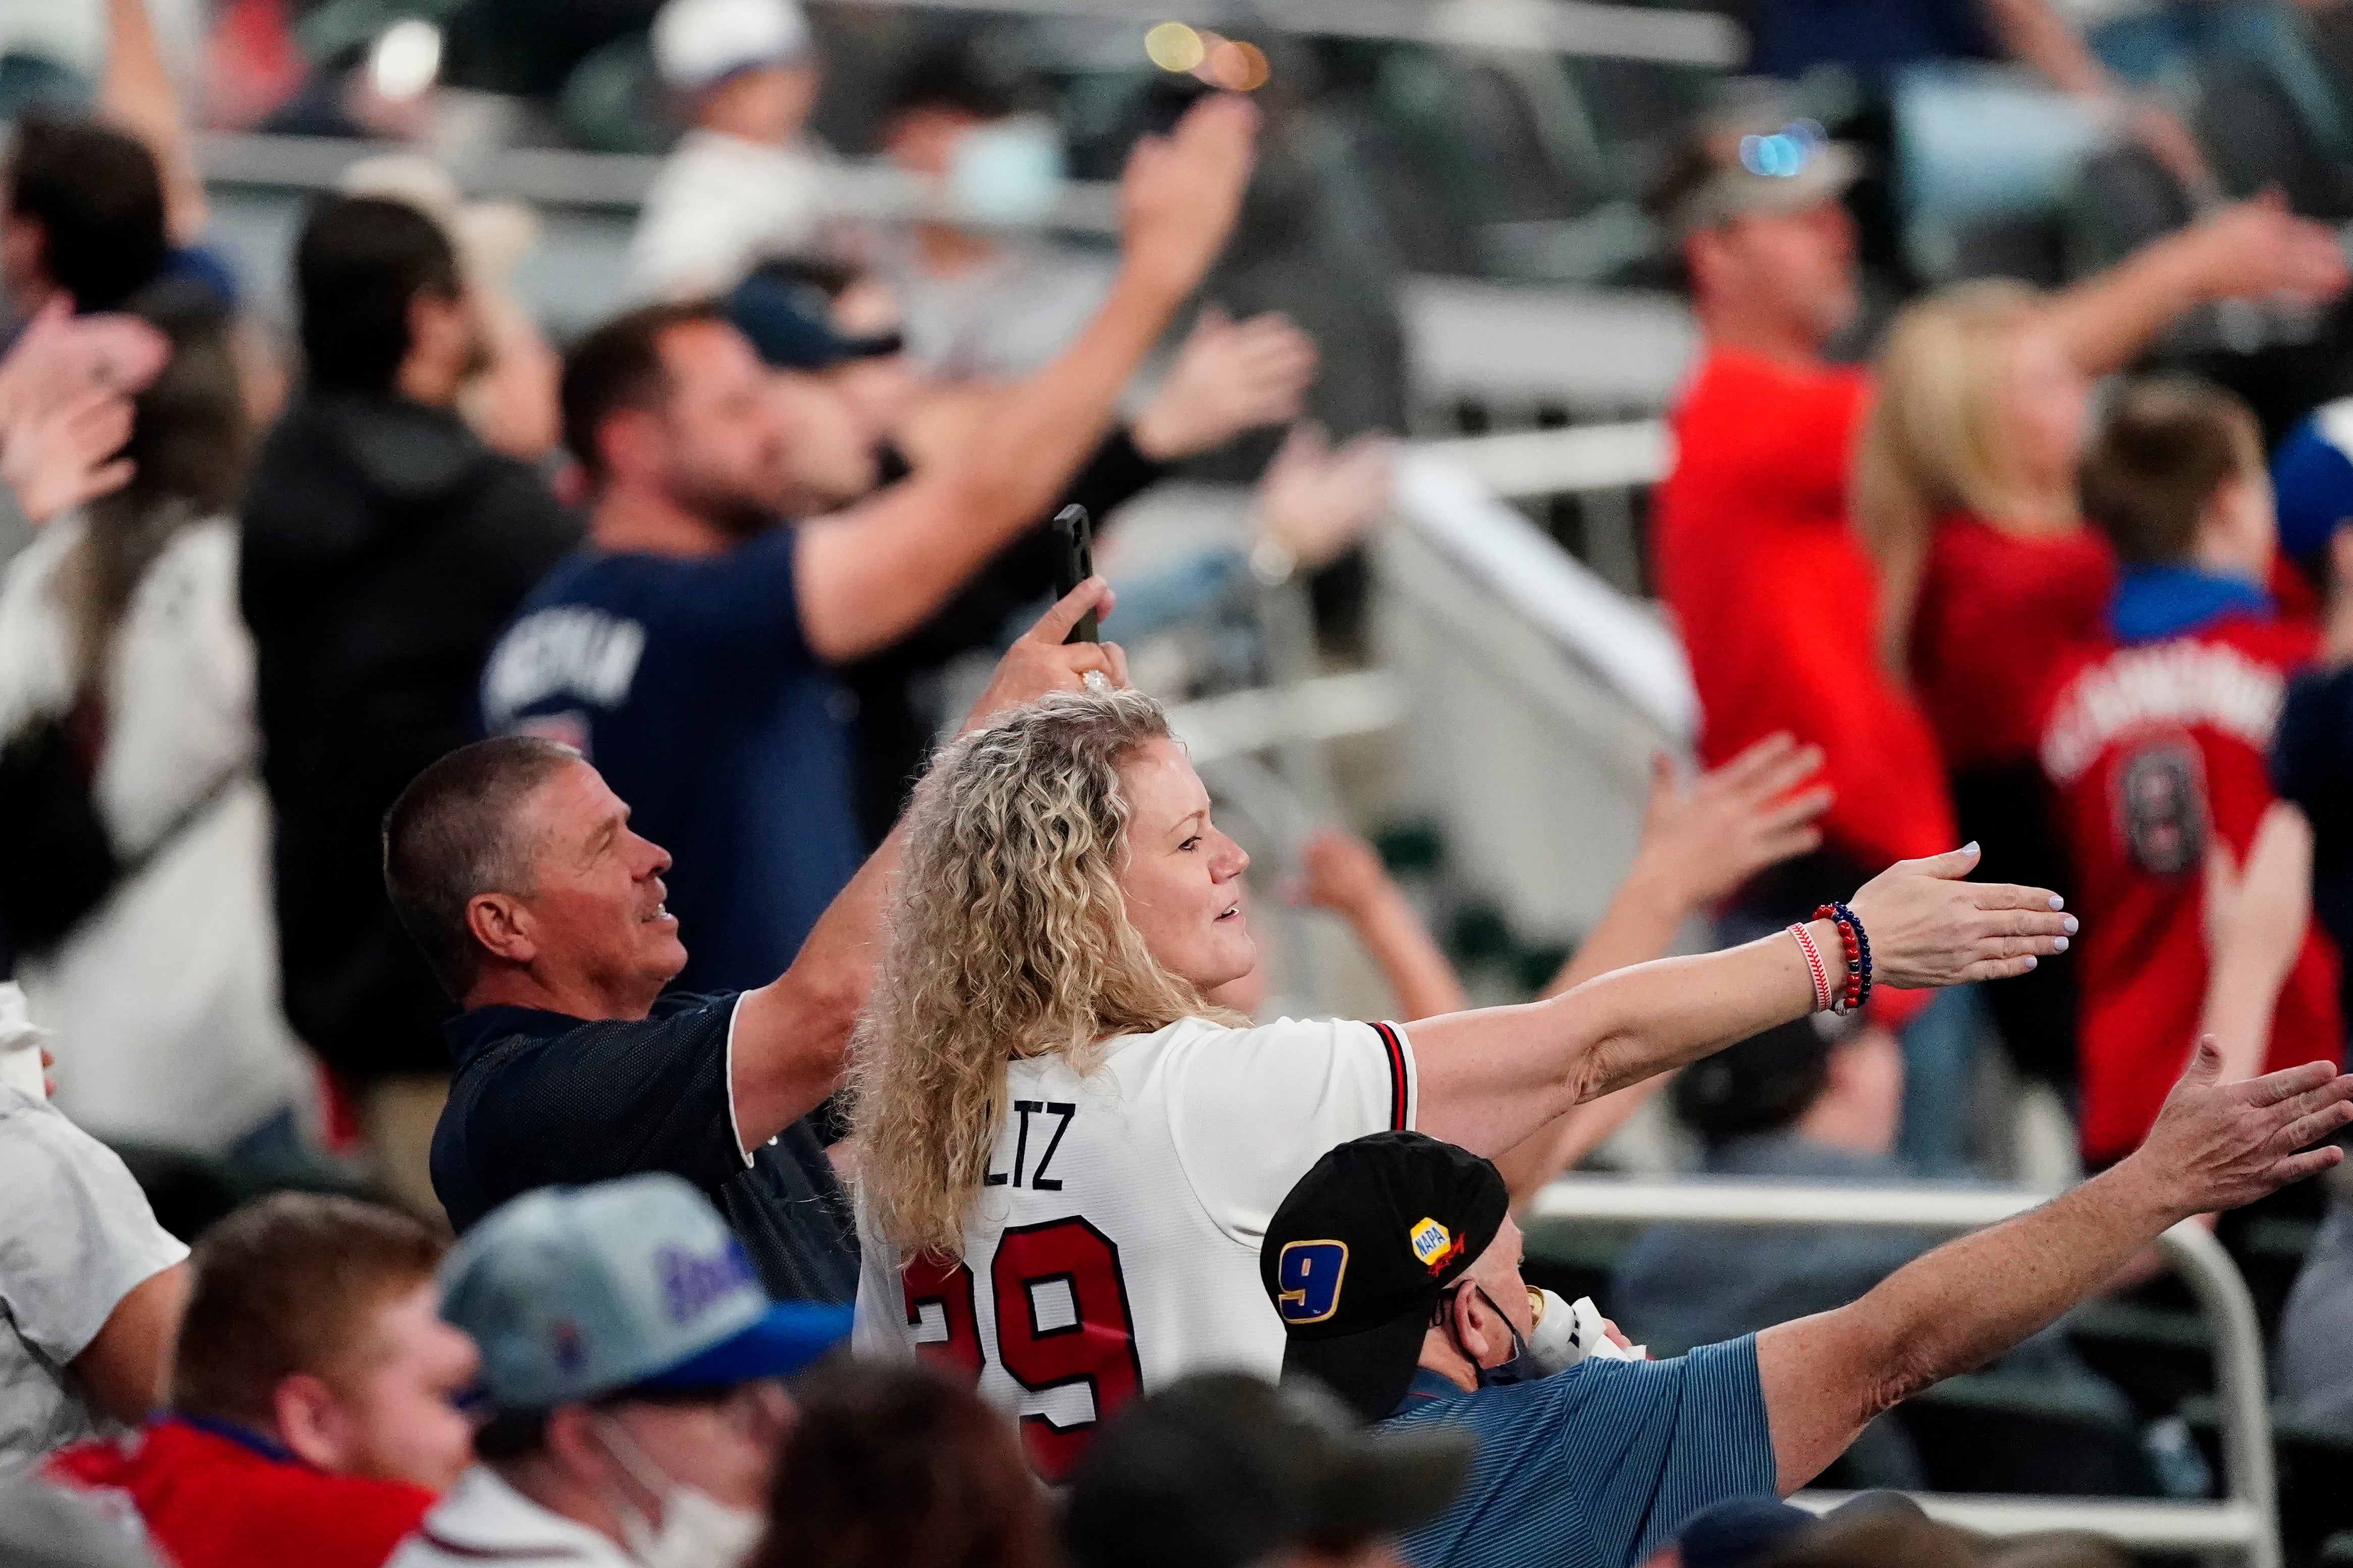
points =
(1309, 1274)
(1434, 1244)
(693, 1281)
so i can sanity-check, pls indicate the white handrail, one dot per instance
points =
(2245, 1521)
(1518, 563)
(1518, 465)
(1562, 26)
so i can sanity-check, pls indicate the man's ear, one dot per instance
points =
(1703, 257)
(501, 924)
(577, 1450)
(630, 442)
(312, 1423)
(24, 243)
(1476, 1329)
(2341, 556)
(431, 318)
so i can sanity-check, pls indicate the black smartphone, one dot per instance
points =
(1074, 539)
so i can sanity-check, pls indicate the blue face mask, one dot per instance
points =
(1520, 1368)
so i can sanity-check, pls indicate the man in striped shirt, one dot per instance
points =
(1395, 1266)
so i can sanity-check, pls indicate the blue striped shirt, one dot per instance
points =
(1598, 1465)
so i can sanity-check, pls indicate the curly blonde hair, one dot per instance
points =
(1008, 938)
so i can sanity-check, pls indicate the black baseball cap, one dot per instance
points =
(1360, 1251)
(1763, 1082)
(790, 324)
(1222, 1469)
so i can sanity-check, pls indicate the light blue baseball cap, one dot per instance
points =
(573, 1292)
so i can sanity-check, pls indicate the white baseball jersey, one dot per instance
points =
(1116, 1246)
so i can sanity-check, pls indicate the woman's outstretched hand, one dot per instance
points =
(1929, 926)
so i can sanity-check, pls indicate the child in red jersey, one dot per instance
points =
(313, 1417)
(2155, 744)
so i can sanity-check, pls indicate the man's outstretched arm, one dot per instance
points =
(2215, 1147)
(863, 579)
(2254, 249)
(785, 1054)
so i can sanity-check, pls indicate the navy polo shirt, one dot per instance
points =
(1595, 1466)
(542, 1098)
(688, 684)
(1873, 39)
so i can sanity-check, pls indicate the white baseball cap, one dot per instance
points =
(699, 42)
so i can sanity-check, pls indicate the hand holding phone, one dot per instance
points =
(1074, 538)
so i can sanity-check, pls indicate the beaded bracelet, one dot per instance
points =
(1814, 967)
(1858, 955)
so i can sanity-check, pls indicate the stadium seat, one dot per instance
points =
(2157, 1355)
(1996, 1432)
(2315, 1461)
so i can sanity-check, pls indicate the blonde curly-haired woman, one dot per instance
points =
(1068, 1158)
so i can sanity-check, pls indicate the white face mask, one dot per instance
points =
(1007, 171)
(697, 1531)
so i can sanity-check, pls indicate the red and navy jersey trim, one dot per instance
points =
(1399, 1101)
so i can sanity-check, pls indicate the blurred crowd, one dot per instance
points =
(570, 902)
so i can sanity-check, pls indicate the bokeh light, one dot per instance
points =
(406, 59)
(1236, 66)
(1174, 46)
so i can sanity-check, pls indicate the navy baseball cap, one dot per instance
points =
(1361, 1249)
(2312, 479)
(1738, 1532)
(790, 324)
(573, 1292)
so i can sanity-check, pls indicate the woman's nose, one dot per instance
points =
(1231, 861)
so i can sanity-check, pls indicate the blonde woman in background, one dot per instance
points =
(1965, 494)
(1069, 1157)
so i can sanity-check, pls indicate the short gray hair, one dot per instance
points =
(450, 836)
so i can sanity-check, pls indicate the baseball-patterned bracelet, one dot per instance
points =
(1814, 967)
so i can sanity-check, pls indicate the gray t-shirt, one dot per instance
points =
(2316, 1334)
(75, 1237)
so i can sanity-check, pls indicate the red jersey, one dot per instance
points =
(2151, 747)
(1776, 599)
(210, 1500)
(1997, 614)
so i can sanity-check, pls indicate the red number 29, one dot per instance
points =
(1096, 1348)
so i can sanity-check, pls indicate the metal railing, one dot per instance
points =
(1699, 38)
(2243, 1522)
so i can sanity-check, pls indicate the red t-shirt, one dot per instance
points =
(2151, 747)
(1776, 599)
(210, 1501)
(1997, 614)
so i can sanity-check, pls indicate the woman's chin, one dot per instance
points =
(1233, 956)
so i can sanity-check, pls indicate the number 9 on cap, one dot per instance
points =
(1310, 1273)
